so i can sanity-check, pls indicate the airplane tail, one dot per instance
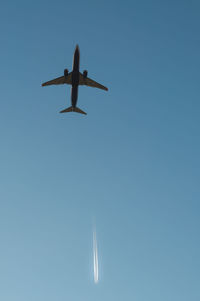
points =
(73, 109)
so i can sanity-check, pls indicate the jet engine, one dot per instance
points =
(85, 73)
(66, 72)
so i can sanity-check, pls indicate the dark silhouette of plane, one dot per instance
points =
(75, 78)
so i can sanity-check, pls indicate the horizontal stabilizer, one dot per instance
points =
(73, 109)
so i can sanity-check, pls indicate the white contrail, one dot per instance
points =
(95, 258)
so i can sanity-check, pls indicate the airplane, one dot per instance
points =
(75, 79)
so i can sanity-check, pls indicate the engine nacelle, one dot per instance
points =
(66, 72)
(85, 73)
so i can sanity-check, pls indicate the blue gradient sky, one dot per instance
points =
(132, 163)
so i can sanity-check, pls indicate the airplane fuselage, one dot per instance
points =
(75, 77)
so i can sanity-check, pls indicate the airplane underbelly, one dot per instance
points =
(75, 78)
(74, 95)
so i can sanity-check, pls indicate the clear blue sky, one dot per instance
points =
(132, 163)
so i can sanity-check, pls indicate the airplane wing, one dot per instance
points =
(89, 82)
(59, 80)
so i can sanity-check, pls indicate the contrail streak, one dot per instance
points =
(95, 258)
